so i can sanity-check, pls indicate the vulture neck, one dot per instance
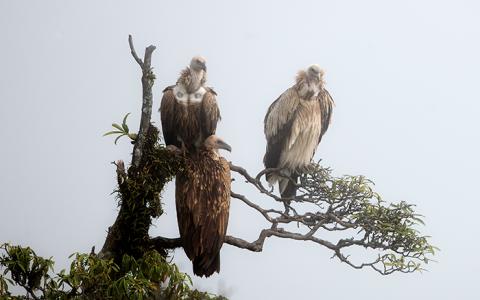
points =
(210, 152)
(196, 80)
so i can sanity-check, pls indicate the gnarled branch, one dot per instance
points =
(347, 205)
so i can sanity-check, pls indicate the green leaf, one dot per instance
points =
(124, 123)
(125, 118)
(118, 137)
(125, 127)
(113, 132)
(117, 126)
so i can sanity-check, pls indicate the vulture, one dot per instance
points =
(189, 110)
(202, 192)
(294, 126)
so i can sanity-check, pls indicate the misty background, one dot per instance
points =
(403, 74)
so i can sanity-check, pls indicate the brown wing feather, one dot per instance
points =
(210, 114)
(203, 201)
(326, 108)
(167, 116)
(277, 126)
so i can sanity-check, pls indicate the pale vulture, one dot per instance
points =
(294, 125)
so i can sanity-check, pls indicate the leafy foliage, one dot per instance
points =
(351, 203)
(90, 277)
(135, 270)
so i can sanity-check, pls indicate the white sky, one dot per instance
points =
(403, 75)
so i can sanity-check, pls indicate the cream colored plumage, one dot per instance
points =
(294, 126)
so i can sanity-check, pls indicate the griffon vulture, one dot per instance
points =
(189, 110)
(202, 195)
(294, 126)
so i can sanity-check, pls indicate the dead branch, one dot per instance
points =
(115, 232)
(147, 83)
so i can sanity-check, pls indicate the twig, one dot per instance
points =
(132, 50)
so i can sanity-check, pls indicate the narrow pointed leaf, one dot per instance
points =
(113, 132)
(125, 127)
(117, 126)
(118, 137)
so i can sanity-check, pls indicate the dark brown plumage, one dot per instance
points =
(189, 110)
(189, 122)
(203, 202)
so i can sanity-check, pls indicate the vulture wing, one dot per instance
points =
(167, 115)
(209, 114)
(278, 124)
(326, 108)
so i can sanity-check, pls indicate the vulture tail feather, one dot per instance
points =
(288, 186)
(202, 267)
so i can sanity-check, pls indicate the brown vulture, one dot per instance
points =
(202, 192)
(189, 110)
(294, 126)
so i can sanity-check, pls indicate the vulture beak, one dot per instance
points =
(222, 145)
(204, 67)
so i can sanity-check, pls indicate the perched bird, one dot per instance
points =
(294, 126)
(189, 110)
(202, 192)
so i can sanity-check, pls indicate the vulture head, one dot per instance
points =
(309, 82)
(214, 143)
(198, 63)
(314, 73)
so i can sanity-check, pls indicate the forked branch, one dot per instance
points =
(347, 205)
(147, 82)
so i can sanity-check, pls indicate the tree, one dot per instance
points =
(131, 264)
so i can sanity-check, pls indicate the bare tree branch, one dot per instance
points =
(132, 50)
(147, 82)
(161, 243)
(346, 205)
(115, 235)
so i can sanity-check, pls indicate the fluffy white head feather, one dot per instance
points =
(198, 63)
